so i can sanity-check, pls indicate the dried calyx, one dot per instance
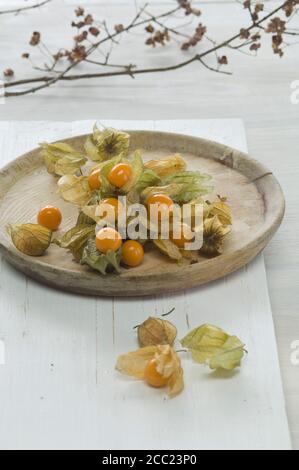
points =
(30, 239)
(156, 331)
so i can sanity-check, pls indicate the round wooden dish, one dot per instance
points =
(253, 192)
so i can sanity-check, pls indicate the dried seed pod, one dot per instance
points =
(107, 144)
(30, 239)
(211, 345)
(76, 239)
(223, 212)
(83, 219)
(214, 233)
(74, 189)
(156, 331)
(166, 166)
(62, 159)
(221, 209)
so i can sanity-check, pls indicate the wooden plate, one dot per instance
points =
(253, 192)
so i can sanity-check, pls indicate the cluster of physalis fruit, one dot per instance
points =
(157, 361)
(103, 173)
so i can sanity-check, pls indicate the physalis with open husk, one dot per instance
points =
(214, 233)
(107, 143)
(159, 366)
(220, 208)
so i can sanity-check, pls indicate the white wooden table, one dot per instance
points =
(61, 349)
(259, 92)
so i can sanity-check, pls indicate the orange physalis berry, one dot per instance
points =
(49, 217)
(108, 239)
(132, 253)
(94, 179)
(152, 376)
(120, 174)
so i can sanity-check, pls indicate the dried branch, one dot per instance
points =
(28, 7)
(247, 38)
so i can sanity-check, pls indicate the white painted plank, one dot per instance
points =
(271, 121)
(58, 387)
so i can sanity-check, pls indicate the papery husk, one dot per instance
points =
(30, 239)
(106, 144)
(166, 166)
(155, 331)
(91, 149)
(84, 219)
(76, 239)
(134, 363)
(167, 247)
(221, 209)
(211, 345)
(69, 164)
(61, 158)
(168, 365)
(193, 185)
(91, 212)
(74, 189)
(214, 233)
(147, 178)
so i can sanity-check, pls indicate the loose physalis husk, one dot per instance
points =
(214, 233)
(30, 239)
(193, 184)
(166, 166)
(61, 159)
(147, 178)
(76, 239)
(155, 331)
(84, 219)
(168, 365)
(221, 209)
(106, 144)
(74, 189)
(167, 247)
(212, 346)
